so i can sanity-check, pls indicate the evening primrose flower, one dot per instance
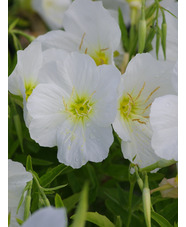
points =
(17, 179)
(47, 217)
(89, 29)
(51, 11)
(164, 123)
(25, 76)
(76, 111)
(144, 80)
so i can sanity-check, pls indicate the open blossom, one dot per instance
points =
(89, 29)
(47, 217)
(75, 112)
(17, 179)
(25, 76)
(164, 122)
(144, 80)
(51, 11)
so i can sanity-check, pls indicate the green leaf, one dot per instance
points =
(41, 162)
(9, 218)
(150, 10)
(124, 32)
(71, 201)
(158, 36)
(13, 24)
(118, 172)
(118, 222)
(18, 128)
(29, 163)
(98, 219)
(47, 178)
(54, 188)
(58, 201)
(160, 220)
(12, 148)
(19, 221)
(80, 215)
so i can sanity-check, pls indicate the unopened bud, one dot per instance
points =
(147, 202)
(164, 37)
(141, 36)
(142, 30)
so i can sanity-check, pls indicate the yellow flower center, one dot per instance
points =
(132, 108)
(28, 89)
(79, 108)
(100, 57)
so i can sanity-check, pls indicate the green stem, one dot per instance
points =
(132, 184)
(160, 164)
(27, 36)
(47, 203)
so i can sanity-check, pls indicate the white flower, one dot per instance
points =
(17, 179)
(164, 122)
(51, 11)
(172, 32)
(113, 6)
(76, 111)
(144, 80)
(25, 76)
(47, 217)
(89, 28)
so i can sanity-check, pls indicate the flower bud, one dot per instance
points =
(147, 202)
(164, 36)
(141, 36)
(142, 30)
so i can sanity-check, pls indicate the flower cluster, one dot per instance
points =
(76, 98)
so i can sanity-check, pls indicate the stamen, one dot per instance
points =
(129, 109)
(146, 108)
(92, 94)
(151, 94)
(130, 97)
(104, 49)
(86, 50)
(138, 120)
(82, 40)
(146, 116)
(140, 91)
(64, 103)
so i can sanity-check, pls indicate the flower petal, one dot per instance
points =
(139, 146)
(77, 144)
(45, 106)
(47, 217)
(164, 122)
(85, 16)
(60, 40)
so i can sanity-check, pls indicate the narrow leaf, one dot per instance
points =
(98, 219)
(160, 220)
(47, 178)
(124, 32)
(58, 201)
(18, 128)
(80, 215)
(29, 163)
(118, 222)
(71, 201)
